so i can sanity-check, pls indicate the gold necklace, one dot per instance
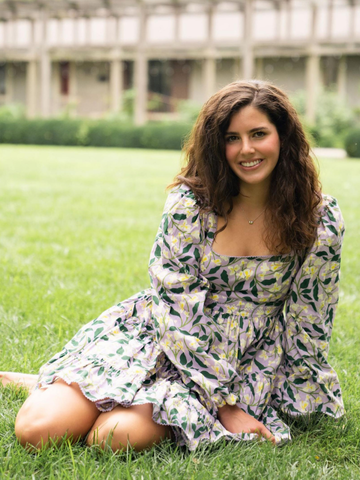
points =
(252, 221)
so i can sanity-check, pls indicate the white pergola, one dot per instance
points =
(247, 50)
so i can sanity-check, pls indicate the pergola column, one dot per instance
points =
(209, 76)
(45, 81)
(259, 68)
(116, 83)
(45, 72)
(312, 84)
(342, 77)
(31, 82)
(73, 90)
(312, 73)
(141, 72)
(209, 62)
(248, 54)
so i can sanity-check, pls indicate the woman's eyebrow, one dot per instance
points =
(250, 131)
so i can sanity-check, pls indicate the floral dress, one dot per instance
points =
(215, 330)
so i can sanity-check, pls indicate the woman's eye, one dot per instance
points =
(259, 134)
(231, 138)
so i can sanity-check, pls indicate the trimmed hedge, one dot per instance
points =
(96, 133)
(352, 143)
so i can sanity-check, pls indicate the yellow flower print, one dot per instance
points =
(248, 273)
(231, 399)
(260, 387)
(247, 398)
(275, 266)
(184, 278)
(217, 261)
(318, 400)
(230, 309)
(264, 268)
(264, 355)
(233, 269)
(184, 226)
(303, 406)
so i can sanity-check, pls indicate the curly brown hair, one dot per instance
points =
(295, 191)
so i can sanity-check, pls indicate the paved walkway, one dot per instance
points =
(330, 152)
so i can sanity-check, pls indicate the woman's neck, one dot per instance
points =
(252, 197)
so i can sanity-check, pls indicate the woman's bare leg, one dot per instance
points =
(22, 379)
(50, 413)
(128, 426)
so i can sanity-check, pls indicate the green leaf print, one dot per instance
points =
(98, 331)
(179, 216)
(301, 345)
(218, 336)
(299, 381)
(174, 312)
(291, 395)
(224, 276)
(316, 292)
(239, 286)
(157, 252)
(101, 371)
(195, 308)
(183, 360)
(208, 375)
(332, 229)
(271, 281)
(166, 225)
(214, 270)
(305, 283)
(177, 290)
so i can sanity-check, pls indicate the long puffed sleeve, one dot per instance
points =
(183, 331)
(305, 381)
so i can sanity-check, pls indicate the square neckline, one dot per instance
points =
(247, 257)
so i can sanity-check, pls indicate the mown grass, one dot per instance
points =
(76, 229)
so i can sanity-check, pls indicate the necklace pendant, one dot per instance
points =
(251, 222)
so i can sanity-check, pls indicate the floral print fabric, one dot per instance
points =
(215, 329)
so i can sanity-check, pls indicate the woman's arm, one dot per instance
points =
(305, 381)
(183, 330)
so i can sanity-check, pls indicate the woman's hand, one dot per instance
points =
(236, 420)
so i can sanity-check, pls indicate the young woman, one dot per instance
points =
(236, 325)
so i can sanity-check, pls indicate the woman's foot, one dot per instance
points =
(22, 379)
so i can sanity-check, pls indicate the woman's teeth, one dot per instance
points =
(251, 164)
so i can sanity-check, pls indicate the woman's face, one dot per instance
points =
(252, 146)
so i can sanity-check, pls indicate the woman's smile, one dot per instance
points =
(252, 146)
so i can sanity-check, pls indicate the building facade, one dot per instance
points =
(82, 55)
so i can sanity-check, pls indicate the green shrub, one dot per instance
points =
(96, 133)
(333, 118)
(352, 143)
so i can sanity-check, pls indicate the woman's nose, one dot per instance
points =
(247, 147)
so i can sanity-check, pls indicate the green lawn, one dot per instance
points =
(77, 226)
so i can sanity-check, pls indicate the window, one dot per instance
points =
(64, 78)
(2, 79)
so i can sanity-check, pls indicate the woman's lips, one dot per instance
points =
(251, 164)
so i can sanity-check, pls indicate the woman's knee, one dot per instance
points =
(51, 414)
(124, 427)
(34, 428)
